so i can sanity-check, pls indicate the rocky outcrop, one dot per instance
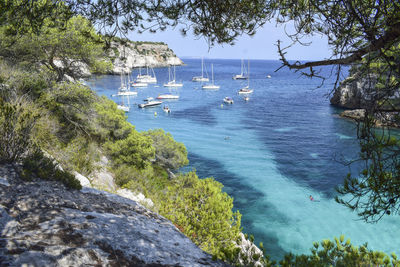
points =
(354, 92)
(131, 55)
(359, 92)
(390, 119)
(44, 224)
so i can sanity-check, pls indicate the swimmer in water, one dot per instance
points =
(311, 198)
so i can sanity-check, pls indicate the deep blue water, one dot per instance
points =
(271, 152)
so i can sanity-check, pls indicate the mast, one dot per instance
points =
(202, 63)
(212, 73)
(248, 73)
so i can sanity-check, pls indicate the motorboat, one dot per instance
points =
(167, 96)
(228, 100)
(242, 75)
(172, 82)
(201, 78)
(211, 86)
(269, 76)
(245, 90)
(150, 102)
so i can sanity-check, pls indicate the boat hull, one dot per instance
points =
(210, 87)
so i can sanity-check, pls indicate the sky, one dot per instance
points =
(260, 46)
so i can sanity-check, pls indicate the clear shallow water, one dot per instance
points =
(271, 152)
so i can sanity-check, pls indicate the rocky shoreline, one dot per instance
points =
(354, 93)
(386, 119)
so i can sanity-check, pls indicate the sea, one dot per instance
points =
(270, 152)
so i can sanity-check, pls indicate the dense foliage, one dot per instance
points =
(15, 132)
(200, 209)
(340, 253)
(169, 154)
(63, 51)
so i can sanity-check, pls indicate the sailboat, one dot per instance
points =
(241, 76)
(247, 90)
(201, 78)
(172, 83)
(146, 78)
(137, 83)
(211, 85)
(125, 88)
(124, 91)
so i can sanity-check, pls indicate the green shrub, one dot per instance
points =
(110, 123)
(80, 154)
(36, 164)
(169, 153)
(150, 181)
(16, 124)
(340, 253)
(135, 150)
(200, 209)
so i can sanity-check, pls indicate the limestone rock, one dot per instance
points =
(135, 197)
(391, 119)
(82, 179)
(102, 178)
(354, 92)
(134, 55)
(43, 223)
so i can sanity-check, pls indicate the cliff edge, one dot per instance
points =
(128, 55)
(44, 224)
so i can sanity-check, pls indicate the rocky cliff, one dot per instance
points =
(354, 92)
(44, 224)
(128, 55)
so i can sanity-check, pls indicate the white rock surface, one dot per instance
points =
(135, 197)
(135, 55)
(42, 223)
(82, 179)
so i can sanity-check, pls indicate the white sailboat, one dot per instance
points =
(124, 94)
(201, 78)
(211, 86)
(172, 83)
(246, 89)
(125, 88)
(242, 75)
(167, 96)
(146, 78)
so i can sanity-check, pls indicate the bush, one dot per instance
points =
(110, 123)
(42, 167)
(169, 153)
(340, 253)
(16, 124)
(135, 150)
(200, 209)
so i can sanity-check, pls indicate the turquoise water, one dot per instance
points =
(271, 152)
